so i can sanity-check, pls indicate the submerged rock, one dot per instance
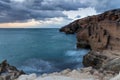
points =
(8, 72)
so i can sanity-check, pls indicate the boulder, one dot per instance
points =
(94, 59)
(106, 60)
(8, 72)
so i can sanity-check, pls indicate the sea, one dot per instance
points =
(40, 50)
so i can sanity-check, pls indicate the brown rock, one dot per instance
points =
(94, 59)
(100, 33)
(107, 60)
(97, 32)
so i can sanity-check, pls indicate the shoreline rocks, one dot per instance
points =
(78, 74)
(98, 32)
(8, 72)
(101, 34)
(106, 60)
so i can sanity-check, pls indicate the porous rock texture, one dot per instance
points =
(101, 34)
(97, 32)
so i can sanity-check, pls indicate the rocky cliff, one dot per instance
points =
(99, 33)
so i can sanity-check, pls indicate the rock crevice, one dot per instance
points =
(99, 33)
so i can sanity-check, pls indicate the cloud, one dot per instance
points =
(47, 23)
(103, 5)
(19, 24)
(15, 11)
(24, 10)
(80, 13)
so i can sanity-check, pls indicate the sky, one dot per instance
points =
(49, 13)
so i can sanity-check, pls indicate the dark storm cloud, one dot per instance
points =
(57, 4)
(15, 10)
(103, 5)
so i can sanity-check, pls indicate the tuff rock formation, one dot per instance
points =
(101, 34)
(8, 72)
(97, 32)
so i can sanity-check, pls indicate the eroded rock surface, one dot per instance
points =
(106, 60)
(101, 34)
(97, 32)
(8, 72)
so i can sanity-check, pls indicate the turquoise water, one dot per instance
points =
(40, 50)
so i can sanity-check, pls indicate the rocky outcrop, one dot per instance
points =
(8, 72)
(101, 34)
(106, 60)
(97, 32)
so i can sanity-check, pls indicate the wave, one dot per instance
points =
(75, 53)
(72, 59)
(76, 56)
(37, 66)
